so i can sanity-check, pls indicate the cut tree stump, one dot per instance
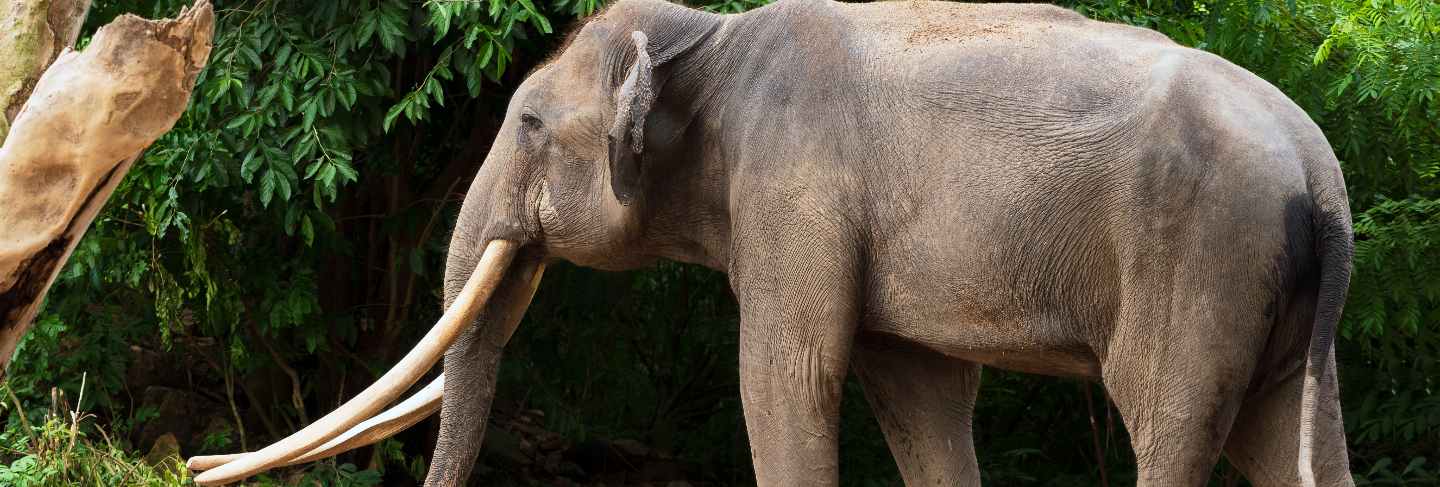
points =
(85, 121)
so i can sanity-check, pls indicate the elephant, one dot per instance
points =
(914, 190)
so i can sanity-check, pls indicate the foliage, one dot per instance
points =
(274, 247)
(57, 451)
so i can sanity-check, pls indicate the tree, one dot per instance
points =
(81, 126)
(37, 32)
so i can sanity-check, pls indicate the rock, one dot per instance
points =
(661, 471)
(556, 442)
(166, 448)
(630, 447)
(503, 445)
(551, 462)
(180, 414)
(527, 430)
(595, 456)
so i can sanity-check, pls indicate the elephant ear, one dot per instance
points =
(627, 134)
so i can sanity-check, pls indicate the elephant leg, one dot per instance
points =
(791, 375)
(1177, 366)
(1265, 440)
(1178, 414)
(924, 402)
(798, 316)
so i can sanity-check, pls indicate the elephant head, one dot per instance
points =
(597, 162)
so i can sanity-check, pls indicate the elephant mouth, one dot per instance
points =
(356, 423)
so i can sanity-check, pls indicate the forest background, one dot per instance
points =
(284, 244)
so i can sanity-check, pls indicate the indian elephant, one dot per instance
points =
(913, 190)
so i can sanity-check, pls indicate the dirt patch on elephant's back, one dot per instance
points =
(929, 33)
(948, 23)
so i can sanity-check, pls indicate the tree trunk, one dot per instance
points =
(32, 35)
(85, 121)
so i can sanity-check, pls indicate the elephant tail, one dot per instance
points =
(1335, 249)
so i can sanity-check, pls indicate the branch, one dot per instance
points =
(1095, 434)
(296, 398)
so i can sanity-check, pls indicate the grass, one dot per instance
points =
(60, 451)
(66, 447)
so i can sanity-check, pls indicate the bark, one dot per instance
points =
(86, 120)
(32, 34)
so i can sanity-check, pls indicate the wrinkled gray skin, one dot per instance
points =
(913, 190)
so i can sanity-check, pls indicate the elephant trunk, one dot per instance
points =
(494, 208)
(471, 365)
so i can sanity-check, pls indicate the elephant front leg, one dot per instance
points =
(796, 332)
(791, 374)
(924, 402)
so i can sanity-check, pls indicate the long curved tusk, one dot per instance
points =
(201, 464)
(414, 409)
(384, 425)
(427, 401)
(487, 276)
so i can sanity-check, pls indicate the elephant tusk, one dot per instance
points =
(486, 277)
(419, 406)
(201, 464)
(382, 426)
(428, 400)
(371, 431)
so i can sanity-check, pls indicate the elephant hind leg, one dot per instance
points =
(924, 402)
(1265, 439)
(1178, 364)
(1177, 424)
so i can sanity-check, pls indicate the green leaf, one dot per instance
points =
(240, 120)
(309, 108)
(432, 88)
(282, 55)
(251, 56)
(307, 230)
(327, 174)
(394, 113)
(222, 86)
(283, 184)
(367, 25)
(529, 7)
(440, 15)
(267, 188)
(485, 54)
(250, 164)
(287, 97)
(347, 171)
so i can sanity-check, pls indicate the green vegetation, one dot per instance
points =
(269, 256)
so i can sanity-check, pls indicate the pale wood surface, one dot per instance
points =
(86, 120)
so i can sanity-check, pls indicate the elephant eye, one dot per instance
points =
(531, 122)
(530, 126)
